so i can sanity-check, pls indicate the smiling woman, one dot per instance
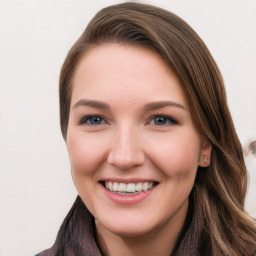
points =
(154, 154)
(141, 149)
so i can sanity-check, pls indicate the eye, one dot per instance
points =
(163, 120)
(93, 120)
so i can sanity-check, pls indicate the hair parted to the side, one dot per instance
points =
(220, 189)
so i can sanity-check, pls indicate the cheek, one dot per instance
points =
(85, 152)
(176, 155)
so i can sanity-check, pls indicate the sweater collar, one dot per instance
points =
(80, 221)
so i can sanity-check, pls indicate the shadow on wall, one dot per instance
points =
(250, 161)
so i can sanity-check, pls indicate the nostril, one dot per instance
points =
(125, 161)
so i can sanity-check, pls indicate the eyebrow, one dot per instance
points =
(148, 107)
(91, 103)
(162, 104)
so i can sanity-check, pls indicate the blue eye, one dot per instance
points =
(92, 120)
(163, 120)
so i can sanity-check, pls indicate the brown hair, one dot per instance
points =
(220, 189)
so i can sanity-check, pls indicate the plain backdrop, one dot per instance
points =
(36, 187)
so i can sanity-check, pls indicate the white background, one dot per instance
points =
(36, 187)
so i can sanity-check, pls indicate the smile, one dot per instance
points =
(128, 188)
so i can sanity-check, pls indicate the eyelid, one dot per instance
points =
(84, 119)
(172, 120)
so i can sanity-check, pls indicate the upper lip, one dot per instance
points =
(130, 180)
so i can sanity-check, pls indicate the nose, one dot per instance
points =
(125, 150)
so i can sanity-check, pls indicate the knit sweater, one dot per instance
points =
(77, 237)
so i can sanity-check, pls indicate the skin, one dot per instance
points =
(128, 143)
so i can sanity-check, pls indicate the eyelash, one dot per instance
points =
(85, 120)
(169, 119)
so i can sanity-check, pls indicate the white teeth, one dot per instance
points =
(138, 186)
(115, 186)
(129, 187)
(150, 185)
(110, 185)
(122, 187)
(145, 186)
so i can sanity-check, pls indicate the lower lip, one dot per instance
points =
(128, 199)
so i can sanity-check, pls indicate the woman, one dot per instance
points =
(154, 154)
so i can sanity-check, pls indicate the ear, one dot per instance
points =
(205, 156)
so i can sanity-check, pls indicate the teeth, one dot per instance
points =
(110, 186)
(129, 187)
(122, 187)
(138, 187)
(115, 186)
(145, 186)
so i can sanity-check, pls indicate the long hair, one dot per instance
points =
(219, 190)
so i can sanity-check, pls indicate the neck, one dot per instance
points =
(159, 241)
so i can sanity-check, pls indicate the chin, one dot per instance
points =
(131, 227)
(130, 230)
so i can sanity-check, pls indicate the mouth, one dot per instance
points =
(128, 188)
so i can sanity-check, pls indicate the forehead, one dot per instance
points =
(127, 72)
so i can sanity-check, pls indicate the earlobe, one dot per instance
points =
(204, 161)
(205, 157)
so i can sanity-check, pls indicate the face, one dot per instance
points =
(133, 149)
